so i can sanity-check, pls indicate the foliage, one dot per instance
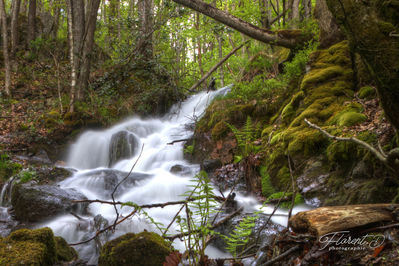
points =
(198, 217)
(239, 237)
(245, 138)
(287, 204)
(8, 168)
(26, 175)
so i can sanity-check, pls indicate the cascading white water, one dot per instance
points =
(151, 181)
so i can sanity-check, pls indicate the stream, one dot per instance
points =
(101, 159)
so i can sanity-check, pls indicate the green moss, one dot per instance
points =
(219, 130)
(306, 141)
(342, 152)
(366, 92)
(135, 249)
(287, 204)
(64, 251)
(320, 75)
(29, 247)
(351, 119)
(287, 113)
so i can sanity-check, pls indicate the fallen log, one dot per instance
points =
(325, 220)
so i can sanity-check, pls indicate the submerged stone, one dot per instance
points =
(123, 146)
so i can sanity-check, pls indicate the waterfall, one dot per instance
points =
(103, 158)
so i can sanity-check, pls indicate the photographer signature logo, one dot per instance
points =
(342, 240)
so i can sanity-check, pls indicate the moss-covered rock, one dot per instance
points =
(33, 247)
(135, 249)
(366, 92)
(63, 250)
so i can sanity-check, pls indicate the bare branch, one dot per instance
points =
(350, 139)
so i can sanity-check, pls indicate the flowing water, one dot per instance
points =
(96, 156)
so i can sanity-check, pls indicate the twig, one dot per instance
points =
(280, 257)
(222, 221)
(104, 229)
(381, 228)
(271, 215)
(237, 258)
(123, 180)
(178, 140)
(389, 160)
(293, 191)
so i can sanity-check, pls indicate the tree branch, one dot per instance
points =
(286, 40)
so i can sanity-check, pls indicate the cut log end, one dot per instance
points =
(325, 220)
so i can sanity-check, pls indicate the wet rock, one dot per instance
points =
(180, 170)
(33, 203)
(266, 233)
(99, 224)
(135, 249)
(105, 180)
(211, 165)
(123, 145)
(312, 182)
(361, 171)
(34, 247)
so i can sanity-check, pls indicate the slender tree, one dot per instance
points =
(31, 34)
(6, 55)
(16, 4)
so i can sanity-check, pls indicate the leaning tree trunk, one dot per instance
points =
(6, 56)
(372, 29)
(288, 39)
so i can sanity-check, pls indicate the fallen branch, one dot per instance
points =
(215, 67)
(123, 180)
(390, 160)
(178, 140)
(280, 257)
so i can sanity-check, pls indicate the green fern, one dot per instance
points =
(245, 138)
(239, 237)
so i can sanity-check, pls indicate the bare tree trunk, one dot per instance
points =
(216, 67)
(6, 56)
(71, 55)
(145, 9)
(24, 7)
(14, 26)
(307, 8)
(31, 34)
(78, 31)
(295, 10)
(197, 20)
(221, 72)
(88, 47)
(57, 11)
(285, 40)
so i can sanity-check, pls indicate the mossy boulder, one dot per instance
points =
(34, 247)
(366, 92)
(351, 118)
(145, 248)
